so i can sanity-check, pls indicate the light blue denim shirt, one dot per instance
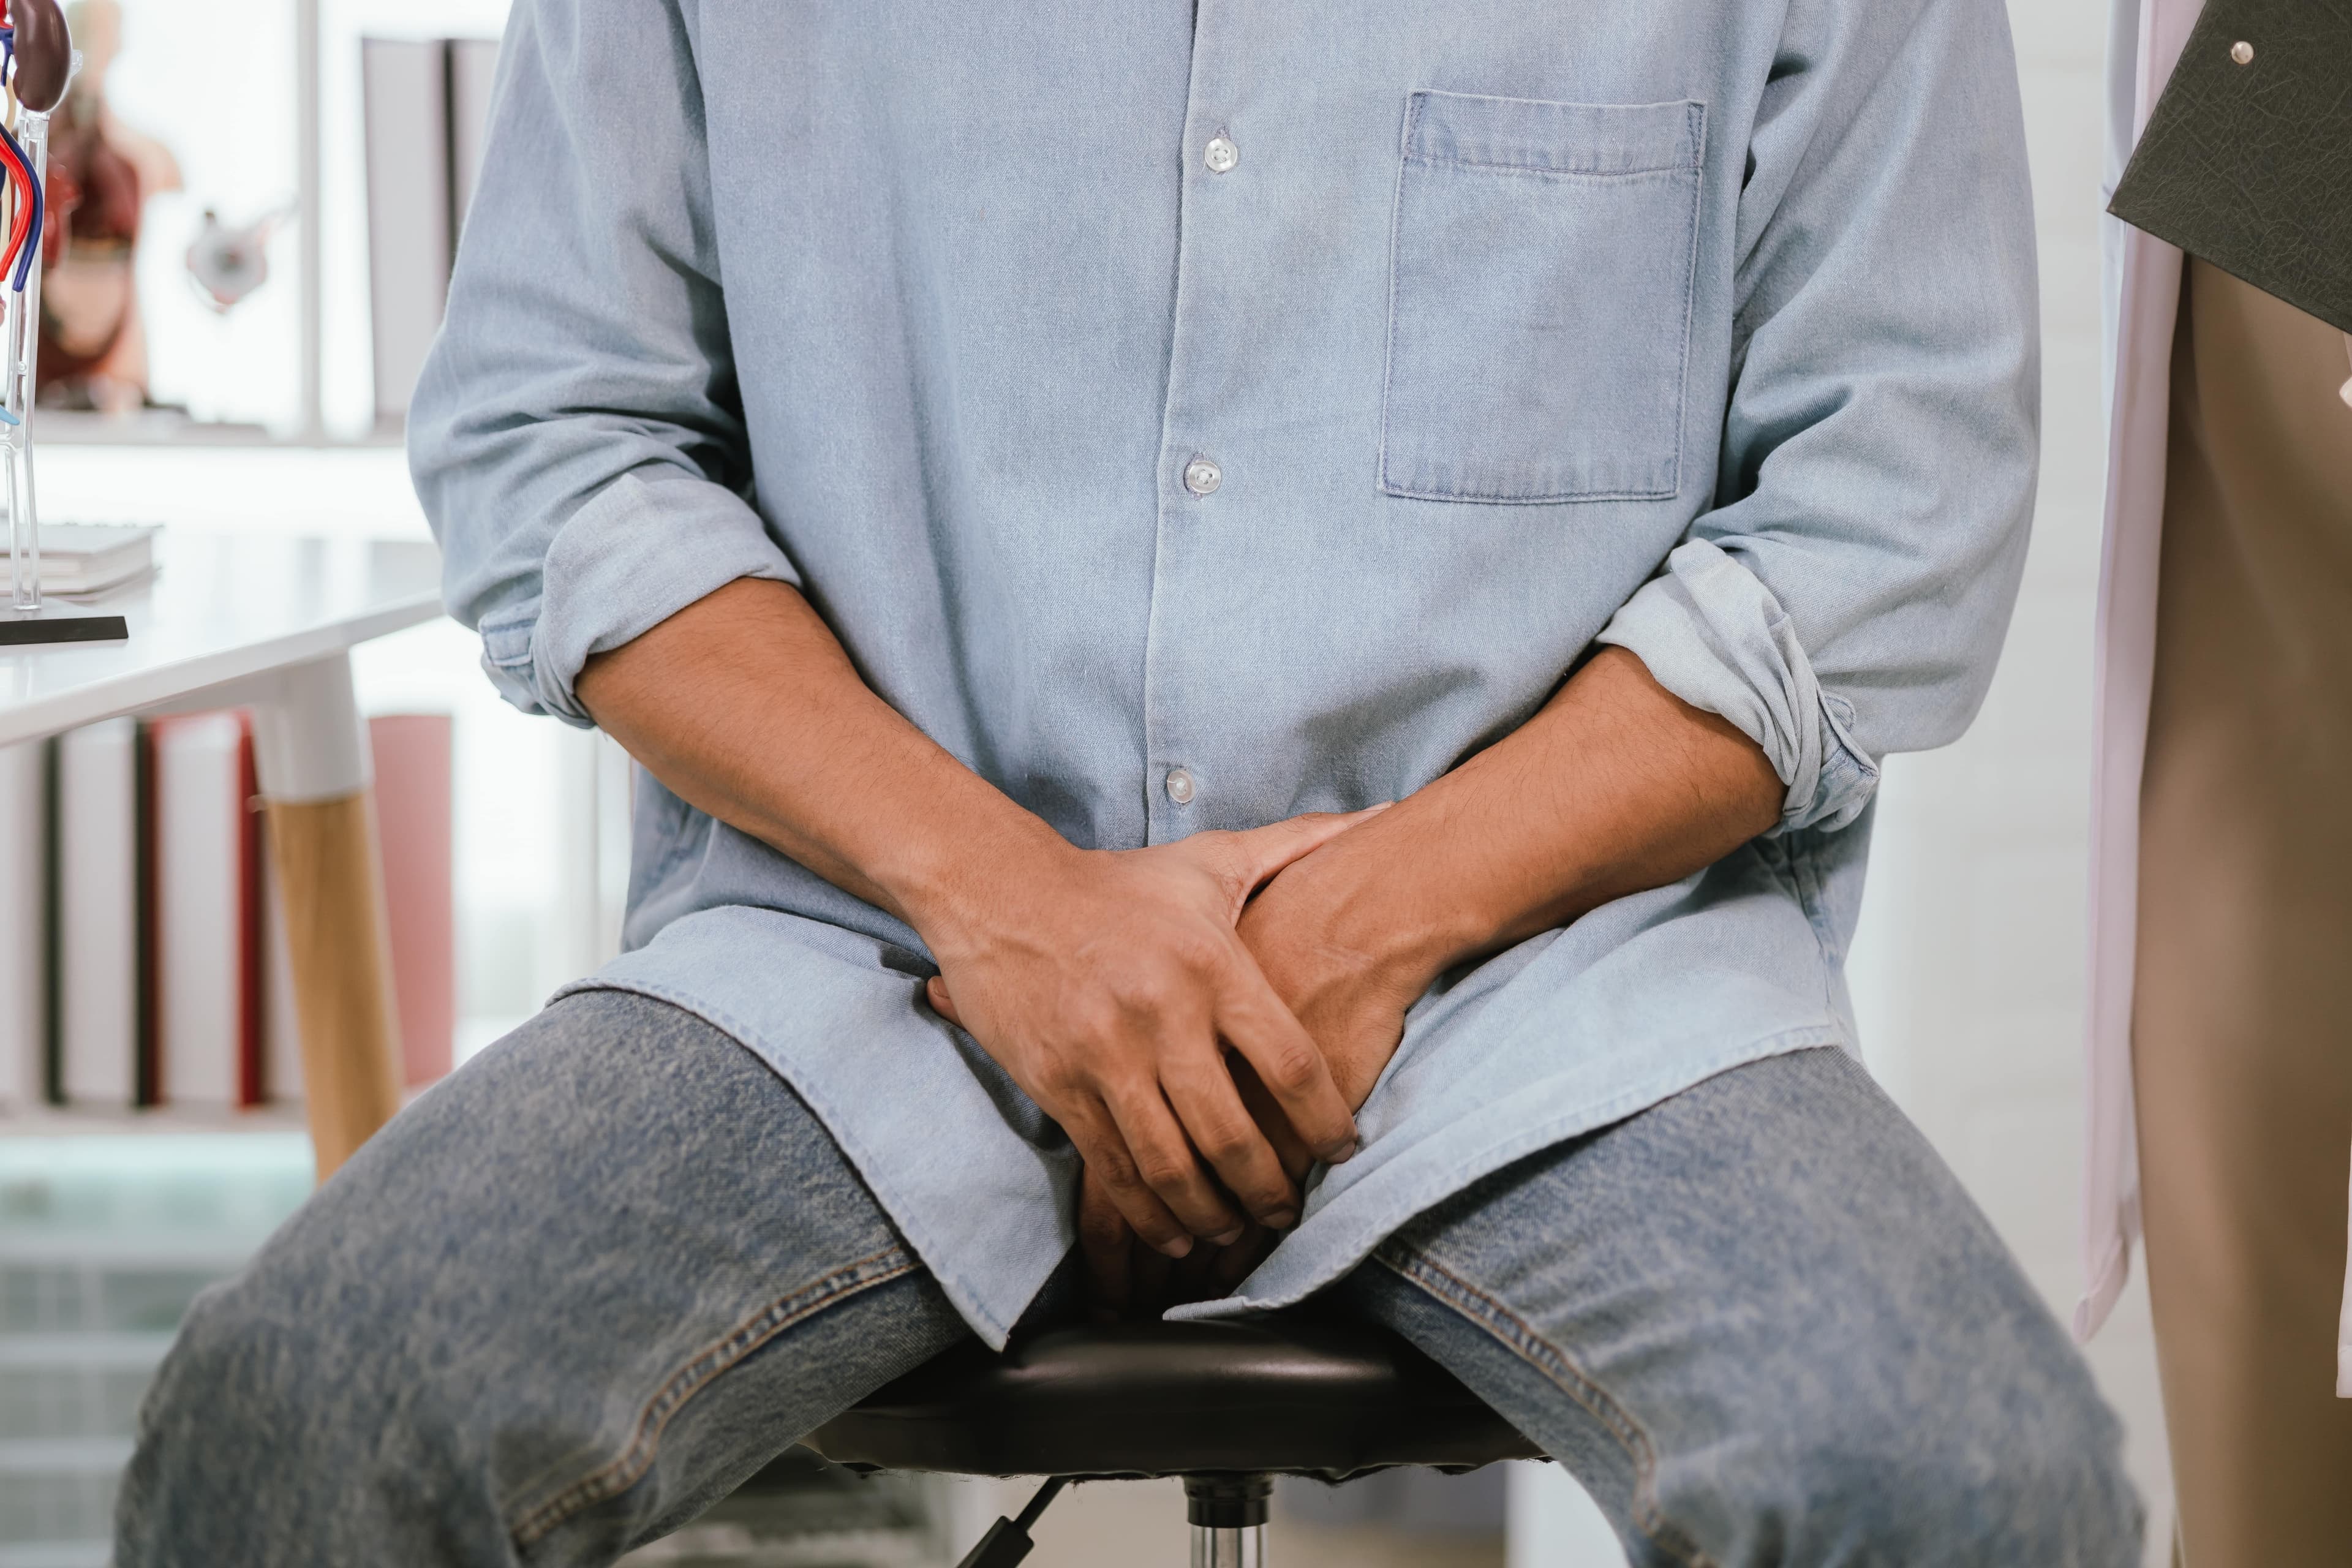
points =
(1289, 395)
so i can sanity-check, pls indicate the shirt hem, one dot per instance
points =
(1453, 1175)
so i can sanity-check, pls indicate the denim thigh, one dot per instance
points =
(1763, 1324)
(570, 1298)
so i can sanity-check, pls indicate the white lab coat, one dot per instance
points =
(2142, 290)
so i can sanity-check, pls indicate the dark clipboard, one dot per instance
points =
(2248, 163)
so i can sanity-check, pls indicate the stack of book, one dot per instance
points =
(83, 560)
(142, 952)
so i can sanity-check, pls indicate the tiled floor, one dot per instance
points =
(102, 1244)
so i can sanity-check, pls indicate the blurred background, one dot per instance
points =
(267, 192)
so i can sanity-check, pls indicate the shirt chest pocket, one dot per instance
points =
(1540, 298)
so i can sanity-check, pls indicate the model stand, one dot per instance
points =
(36, 63)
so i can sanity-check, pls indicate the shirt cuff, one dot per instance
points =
(1712, 634)
(640, 551)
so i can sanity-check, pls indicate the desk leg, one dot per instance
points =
(311, 751)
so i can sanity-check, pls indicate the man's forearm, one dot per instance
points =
(745, 705)
(1615, 786)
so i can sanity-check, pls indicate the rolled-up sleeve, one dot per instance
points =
(576, 436)
(1847, 594)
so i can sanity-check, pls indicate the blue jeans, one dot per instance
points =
(585, 1287)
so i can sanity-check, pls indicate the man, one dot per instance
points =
(1021, 481)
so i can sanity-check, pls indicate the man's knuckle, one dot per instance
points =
(1291, 1067)
(1137, 994)
(1116, 1169)
(1227, 1142)
(1196, 954)
(1099, 1013)
(1057, 1079)
(1161, 1170)
(1129, 1082)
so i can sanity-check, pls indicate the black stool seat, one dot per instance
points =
(1284, 1394)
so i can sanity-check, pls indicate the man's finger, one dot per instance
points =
(1257, 853)
(1283, 1055)
(1104, 1149)
(936, 990)
(1164, 1159)
(1203, 1097)
(1288, 1147)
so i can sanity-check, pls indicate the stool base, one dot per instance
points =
(1227, 1511)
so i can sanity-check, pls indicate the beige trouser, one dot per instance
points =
(2241, 1028)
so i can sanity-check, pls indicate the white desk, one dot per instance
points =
(269, 623)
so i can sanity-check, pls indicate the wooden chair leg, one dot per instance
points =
(330, 883)
(310, 749)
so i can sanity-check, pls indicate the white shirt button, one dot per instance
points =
(1180, 786)
(1201, 476)
(1221, 155)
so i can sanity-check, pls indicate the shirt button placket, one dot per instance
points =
(1201, 476)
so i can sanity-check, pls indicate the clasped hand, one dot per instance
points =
(1200, 1047)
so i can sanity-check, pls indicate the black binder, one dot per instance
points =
(2247, 159)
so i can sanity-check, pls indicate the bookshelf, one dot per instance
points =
(266, 623)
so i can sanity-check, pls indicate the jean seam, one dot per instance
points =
(626, 1468)
(1518, 1336)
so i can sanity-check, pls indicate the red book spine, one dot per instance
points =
(412, 798)
(253, 938)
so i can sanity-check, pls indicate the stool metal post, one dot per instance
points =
(1228, 1515)
(1229, 1548)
